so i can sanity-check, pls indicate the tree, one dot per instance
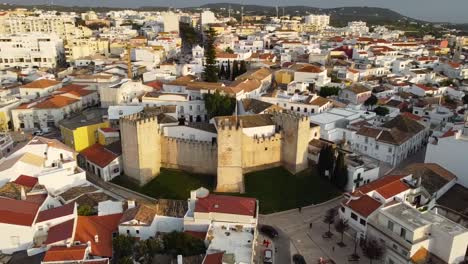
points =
(243, 67)
(219, 105)
(341, 226)
(326, 160)
(371, 101)
(235, 70)
(85, 210)
(228, 70)
(326, 91)
(211, 69)
(146, 249)
(329, 219)
(229, 50)
(373, 250)
(222, 72)
(188, 34)
(381, 111)
(340, 174)
(465, 99)
(180, 243)
(123, 246)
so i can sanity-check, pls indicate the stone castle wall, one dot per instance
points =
(189, 155)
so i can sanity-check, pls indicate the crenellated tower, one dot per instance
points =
(141, 147)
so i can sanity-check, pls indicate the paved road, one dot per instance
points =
(295, 230)
(115, 189)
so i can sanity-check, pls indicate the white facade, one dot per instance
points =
(28, 50)
(319, 20)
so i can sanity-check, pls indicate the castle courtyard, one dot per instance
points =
(276, 188)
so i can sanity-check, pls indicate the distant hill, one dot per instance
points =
(339, 16)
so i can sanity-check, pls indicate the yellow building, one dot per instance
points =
(81, 131)
(284, 76)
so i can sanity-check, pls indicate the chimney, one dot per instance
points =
(179, 259)
(130, 204)
(23, 193)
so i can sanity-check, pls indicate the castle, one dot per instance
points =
(243, 144)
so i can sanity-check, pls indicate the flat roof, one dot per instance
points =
(233, 238)
(413, 219)
(343, 112)
(85, 118)
(325, 118)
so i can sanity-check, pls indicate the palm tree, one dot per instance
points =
(341, 226)
(329, 219)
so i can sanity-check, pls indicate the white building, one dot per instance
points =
(409, 234)
(448, 151)
(207, 17)
(28, 50)
(320, 21)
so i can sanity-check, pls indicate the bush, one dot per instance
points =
(381, 111)
(179, 243)
(85, 210)
(326, 91)
(298, 259)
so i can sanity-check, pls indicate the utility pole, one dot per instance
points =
(242, 15)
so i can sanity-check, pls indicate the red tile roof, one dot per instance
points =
(36, 198)
(17, 212)
(99, 155)
(71, 87)
(65, 253)
(226, 204)
(380, 183)
(60, 232)
(57, 101)
(412, 116)
(215, 258)
(108, 129)
(449, 133)
(364, 205)
(88, 227)
(392, 189)
(56, 212)
(41, 84)
(27, 181)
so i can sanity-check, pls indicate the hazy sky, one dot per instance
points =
(431, 10)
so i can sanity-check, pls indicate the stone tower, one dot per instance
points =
(295, 129)
(141, 147)
(229, 172)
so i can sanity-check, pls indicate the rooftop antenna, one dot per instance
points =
(283, 10)
(276, 10)
(229, 11)
(242, 15)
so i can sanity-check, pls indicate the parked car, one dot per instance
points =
(268, 256)
(37, 133)
(298, 259)
(269, 231)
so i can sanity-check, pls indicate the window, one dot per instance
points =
(366, 140)
(342, 209)
(395, 247)
(389, 150)
(376, 146)
(403, 232)
(15, 241)
(128, 232)
(138, 232)
(362, 222)
(390, 225)
(354, 216)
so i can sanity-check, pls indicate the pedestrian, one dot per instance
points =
(310, 225)
(300, 209)
(333, 248)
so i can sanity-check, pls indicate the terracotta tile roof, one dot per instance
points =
(311, 69)
(224, 55)
(246, 121)
(372, 186)
(56, 212)
(420, 256)
(449, 133)
(77, 191)
(364, 205)
(320, 101)
(27, 181)
(393, 136)
(99, 155)
(369, 131)
(411, 115)
(60, 232)
(13, 190)
(145, 212)
(426, 88)
(56, 101)
(357, 89)
(433, 176)
(392, 189)
(214, 258)
(63, 253)
(405, 124)
(36, 198)
(108, 129)
(353, 71)
(17, 212)
(71, 87)
(41, 84)
(88, 227)
(226, 204)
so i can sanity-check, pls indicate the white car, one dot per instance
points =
(268, 256)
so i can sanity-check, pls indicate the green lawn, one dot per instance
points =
(276, 188)
(170, 184)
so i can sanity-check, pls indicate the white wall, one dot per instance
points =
(24, 235)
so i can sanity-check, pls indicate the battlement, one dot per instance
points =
(286, 114)
(265, 139)
(228, 123)
(139, 119)
(195, 143)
